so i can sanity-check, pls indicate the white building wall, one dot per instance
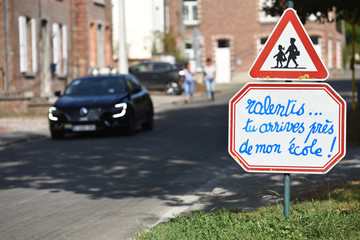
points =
(142, 18)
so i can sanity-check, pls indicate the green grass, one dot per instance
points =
(333, 215)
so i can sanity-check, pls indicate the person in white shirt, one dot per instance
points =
(209, 79)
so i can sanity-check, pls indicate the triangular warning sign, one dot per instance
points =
(288, 54)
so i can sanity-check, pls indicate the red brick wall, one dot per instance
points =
(81, 37)
(238, 22)
(17, 105)
(76, 15)
(53, 12)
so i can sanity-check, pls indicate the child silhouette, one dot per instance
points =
(280, 57)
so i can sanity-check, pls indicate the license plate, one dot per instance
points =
(84, 128)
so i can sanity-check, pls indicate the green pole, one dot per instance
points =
(286, 195)
(287, 175)
(290, 4)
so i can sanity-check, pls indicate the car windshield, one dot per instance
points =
(96, 86)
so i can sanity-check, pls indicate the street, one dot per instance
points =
(104, 186)
(108, 186)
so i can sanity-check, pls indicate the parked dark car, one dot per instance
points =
(98, 103)
(158, 76)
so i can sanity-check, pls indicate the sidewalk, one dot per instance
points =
(14, 130)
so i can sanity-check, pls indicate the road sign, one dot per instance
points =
(287, 128)
(288, 54)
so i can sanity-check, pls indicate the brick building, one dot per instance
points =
(44, 44)
(233, 33)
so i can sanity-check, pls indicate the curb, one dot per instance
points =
(13, 137)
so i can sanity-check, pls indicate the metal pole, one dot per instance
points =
(290, 4)
(286, 194)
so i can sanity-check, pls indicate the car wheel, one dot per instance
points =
(57, 135)
(149, 124)
(172, 88)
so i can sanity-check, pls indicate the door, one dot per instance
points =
(223, 61)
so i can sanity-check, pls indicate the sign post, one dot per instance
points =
(287, 128)
(286, 194)
(287, 175)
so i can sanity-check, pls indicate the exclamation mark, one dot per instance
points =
(332, 147)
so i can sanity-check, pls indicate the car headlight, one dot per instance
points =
(53, 114)
(121, 107)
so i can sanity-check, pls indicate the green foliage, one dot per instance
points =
(348, 10)
(348, 33)
(170, 42)
(337, 218)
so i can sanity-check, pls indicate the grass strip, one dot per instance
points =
(335, 216)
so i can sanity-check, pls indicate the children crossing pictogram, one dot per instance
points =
(288, 54)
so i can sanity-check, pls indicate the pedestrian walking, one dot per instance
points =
(188, 83)
(209, 79)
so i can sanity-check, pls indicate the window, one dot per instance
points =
(99, 2)
(190, 12)
(338, 55)
(263, 17)
(161, 67)
(132, 83)
(261, 44)
(100, 46)
(316, 40)
(223, 43)
(99, 58)
(330, 53)
(140, 68)
(60, 57)
(27, 42)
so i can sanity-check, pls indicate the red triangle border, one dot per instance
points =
(289, 16)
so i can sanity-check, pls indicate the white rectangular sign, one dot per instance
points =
(287, 127)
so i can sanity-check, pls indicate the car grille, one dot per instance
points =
(93, 114)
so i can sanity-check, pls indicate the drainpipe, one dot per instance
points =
(7, 47)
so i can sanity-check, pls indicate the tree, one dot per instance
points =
(348, 10)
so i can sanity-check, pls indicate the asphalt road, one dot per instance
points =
(108, 186)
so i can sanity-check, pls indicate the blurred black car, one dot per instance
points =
(97, 103)
(159, 76)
